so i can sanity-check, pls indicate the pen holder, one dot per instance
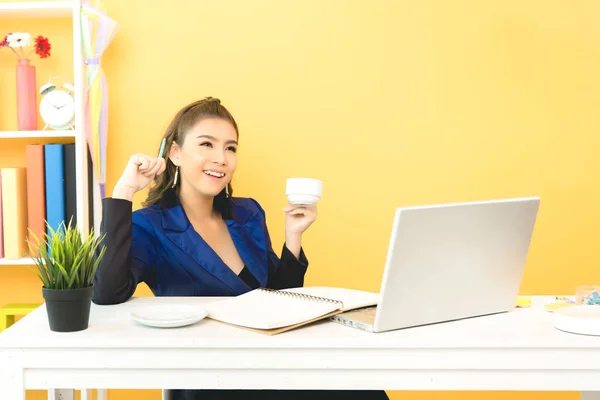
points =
(588, 295)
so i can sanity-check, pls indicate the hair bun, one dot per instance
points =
(212, 100)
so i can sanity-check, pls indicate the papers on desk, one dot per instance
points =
(275, 311)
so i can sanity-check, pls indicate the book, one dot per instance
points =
(91, 186)
(36, 194)
(1, 234)
(70, 184)
(273, 311)
(54, 179)
(14, 212)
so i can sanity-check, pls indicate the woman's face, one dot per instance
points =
(207, 159)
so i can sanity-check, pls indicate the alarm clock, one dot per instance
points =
(57, 107)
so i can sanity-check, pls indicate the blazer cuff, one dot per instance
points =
(115, 214)
(112, 202)
(288, 257)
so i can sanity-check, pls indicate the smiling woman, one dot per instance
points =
(193, 238)
(191, 138)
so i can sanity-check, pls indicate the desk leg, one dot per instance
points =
(61, 394)
(589, 396)
(11, 382)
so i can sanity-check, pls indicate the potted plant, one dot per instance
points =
(66, 264)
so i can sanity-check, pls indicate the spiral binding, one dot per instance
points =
(301, 296)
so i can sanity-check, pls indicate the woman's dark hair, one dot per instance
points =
(185, 118)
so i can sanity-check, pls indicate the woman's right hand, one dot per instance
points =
(139, 172)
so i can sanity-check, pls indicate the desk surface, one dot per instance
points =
(112, 327)
(518, 350)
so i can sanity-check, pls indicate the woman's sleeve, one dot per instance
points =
(129, 256)
(286, 271)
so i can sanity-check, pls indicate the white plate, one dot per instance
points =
(169, 316)
(584, 319)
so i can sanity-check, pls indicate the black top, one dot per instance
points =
(247, 277)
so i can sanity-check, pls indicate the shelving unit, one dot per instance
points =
(36, 9)
(69, 10)
(37, 134)
(22, 261)
(60, 9)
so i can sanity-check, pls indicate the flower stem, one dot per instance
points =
(15, 53)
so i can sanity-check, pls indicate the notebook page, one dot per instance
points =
(351, 298)
(267, 310)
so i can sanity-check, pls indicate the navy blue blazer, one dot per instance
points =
(159, 246)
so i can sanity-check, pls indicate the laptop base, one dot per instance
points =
(362, 318)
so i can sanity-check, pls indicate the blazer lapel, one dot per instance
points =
(250, 244)
(182, 234)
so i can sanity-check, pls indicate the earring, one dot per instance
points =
(226, 190)
(176, 175)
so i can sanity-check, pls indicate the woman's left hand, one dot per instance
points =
(298, 219)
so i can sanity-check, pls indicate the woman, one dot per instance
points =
(192, 238)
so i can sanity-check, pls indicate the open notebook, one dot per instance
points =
(274, 311)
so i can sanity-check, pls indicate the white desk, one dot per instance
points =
(519, 350)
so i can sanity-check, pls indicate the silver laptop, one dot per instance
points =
(451, 261)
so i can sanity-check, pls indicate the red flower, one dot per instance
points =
(4, 42)
(42, 47)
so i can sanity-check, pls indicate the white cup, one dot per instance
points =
(303, 191)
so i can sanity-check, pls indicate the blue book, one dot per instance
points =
(55, 185)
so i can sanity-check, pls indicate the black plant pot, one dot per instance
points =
(68, 310)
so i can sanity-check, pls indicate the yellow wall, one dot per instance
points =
(390, 103)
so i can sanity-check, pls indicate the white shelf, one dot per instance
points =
(37, 134)
(36, 9)
(21, 261)
(71, 10)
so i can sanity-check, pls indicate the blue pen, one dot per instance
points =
(162, 148)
